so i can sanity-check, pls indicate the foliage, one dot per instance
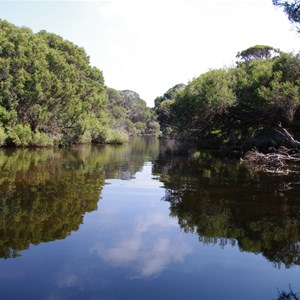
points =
(49, 93)
(169, 94)
(226, 107)
(163, 108)
(116, 137)
(129, 114)
(291, 8)
(2, 136)
(40, 139)
(257, 52)
(200, 107)
(20, 135)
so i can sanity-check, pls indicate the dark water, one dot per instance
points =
(144, 221)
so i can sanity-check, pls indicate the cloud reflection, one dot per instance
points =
(69, 280)
(150, 253)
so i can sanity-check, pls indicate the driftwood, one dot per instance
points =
(268, 139)
(273, 150)
(282, 161)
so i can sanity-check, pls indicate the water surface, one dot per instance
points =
(144, 221)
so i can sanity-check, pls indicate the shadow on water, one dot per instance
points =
(223, 203)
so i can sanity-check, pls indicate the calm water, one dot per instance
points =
(144, 221)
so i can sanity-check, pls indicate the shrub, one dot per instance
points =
(3, 136)
(116, 137)
(20, 135)
(40, 139)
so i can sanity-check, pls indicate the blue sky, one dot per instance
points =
(149, 46)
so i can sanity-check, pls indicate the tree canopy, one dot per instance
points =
(48, 89)
(130, 114)
(257, 52)
(230, 106)
(50, 94)
(163, 110)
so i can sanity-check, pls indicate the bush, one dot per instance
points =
(20, 135)
(40, 139)
(116, 137)
(140, 127)
(130, 128)
(3, 136)
(153, 128)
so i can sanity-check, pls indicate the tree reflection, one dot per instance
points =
(44, 194)
(224, 204)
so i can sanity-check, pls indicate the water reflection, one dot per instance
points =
(45, 193)
(130, 246)
(224, 204)
(149, 247)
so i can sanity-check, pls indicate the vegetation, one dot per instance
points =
(51, 95)
(130, 115)
(163, 109)
(241, 107)
(292, 9)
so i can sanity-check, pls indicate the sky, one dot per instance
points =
(150, 46)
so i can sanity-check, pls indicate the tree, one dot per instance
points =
(48, 86)
(292, 9)
(163, 108)
(201, 106)
(257, 52)
(129, 114)
(138, 115)
(170, 94)
(225, 108)
(267, 93)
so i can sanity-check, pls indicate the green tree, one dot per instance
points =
(201, 106)
(267, 91)
(226, 108)
(163, 108)
(257, 52)
(48, 84)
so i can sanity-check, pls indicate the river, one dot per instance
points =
(145, 220)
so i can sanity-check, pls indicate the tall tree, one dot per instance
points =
(257, 52)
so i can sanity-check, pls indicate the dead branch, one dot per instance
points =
(279, 162)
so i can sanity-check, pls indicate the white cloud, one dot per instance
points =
(154, 45)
